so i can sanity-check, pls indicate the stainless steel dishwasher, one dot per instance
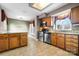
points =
(47, 38)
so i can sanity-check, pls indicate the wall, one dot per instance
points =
(3, 25)
(17, 26)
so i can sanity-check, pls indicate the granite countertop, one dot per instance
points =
(11, 32)
(66, 32)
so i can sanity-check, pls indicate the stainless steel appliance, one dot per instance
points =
(47, 38)
(40, 35)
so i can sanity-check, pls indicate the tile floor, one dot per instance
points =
(36, 48)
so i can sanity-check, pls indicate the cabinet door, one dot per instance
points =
(60, 40)
(23, 40)
(68, 42)
(53, 39)
(72, 43)
(60, 43)
(74, 48)
(75, 15)
(14, 41)
(3, 44)
(48, 20)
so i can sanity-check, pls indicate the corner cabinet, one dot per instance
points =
(75, 15)
(12, 40)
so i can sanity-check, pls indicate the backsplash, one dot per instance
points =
(75, 27)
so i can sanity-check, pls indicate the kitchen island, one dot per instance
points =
(68, 41)
(10, 41)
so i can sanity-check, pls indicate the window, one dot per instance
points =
(64, 24)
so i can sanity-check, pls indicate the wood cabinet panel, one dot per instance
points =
(14, 40)
(60, 40)
(72, 44)
(3, 44)
(68, 47)
(48, 20)
(23, 39)
(75, 14)
(54, 39)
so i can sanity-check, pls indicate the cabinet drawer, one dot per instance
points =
(13, 35)
(4, 35)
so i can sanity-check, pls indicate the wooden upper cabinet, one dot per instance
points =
(13, 40)
(48, 20)
(75, 15)
(3, 42)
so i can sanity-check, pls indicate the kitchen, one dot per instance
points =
(59, 28)
(64, 32)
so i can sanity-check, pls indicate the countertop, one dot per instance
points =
(11, 32)
(66, 32)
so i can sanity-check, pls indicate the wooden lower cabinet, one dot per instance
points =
(72, 43)
(3, 43)
(69, 42)
(60, 40)
(53, 39)
(13, 41)
(23, 40)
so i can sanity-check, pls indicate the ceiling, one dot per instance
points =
(22, 11)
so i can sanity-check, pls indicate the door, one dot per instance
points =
(3, 42)
(14, 40)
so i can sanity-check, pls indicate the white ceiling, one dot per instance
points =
(22, 11)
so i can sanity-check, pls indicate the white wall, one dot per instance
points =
(17, 26)
(3, 25)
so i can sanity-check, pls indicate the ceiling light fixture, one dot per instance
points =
(39, 6)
